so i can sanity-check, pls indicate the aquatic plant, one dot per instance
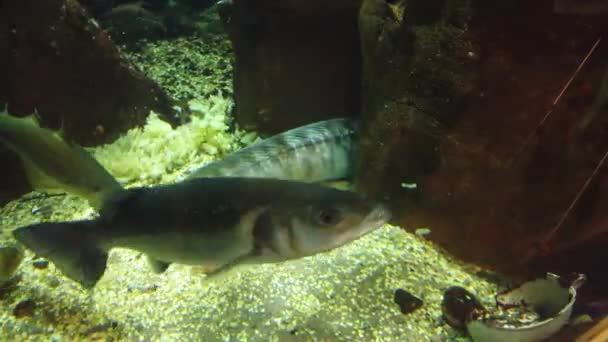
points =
(156, 151)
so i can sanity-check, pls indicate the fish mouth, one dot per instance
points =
(379, 215)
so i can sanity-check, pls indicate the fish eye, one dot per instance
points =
(328, 216)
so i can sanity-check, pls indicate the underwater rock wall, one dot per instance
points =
(453, 96)
(57, 60)
(296, 62)
(449, 92)
(418, 69)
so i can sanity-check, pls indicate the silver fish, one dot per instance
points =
(214, 222)
(318, 152)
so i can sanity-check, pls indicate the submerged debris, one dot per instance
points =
(11, 256)
(531, 312)
(407, 302)
(24, 308)
(8, 286)
(100, 328)
(460, 306)
(40, 264)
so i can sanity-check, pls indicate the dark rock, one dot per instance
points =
(8, 286)
(57, 61)
(14, 181)
(416, 76)
(295, 61)
(199, 5)
(459, 306)
(407, 302)
(142, 288)
(11, 255)
(72, 74)
(453, 93)
(24, 308)
(100, 328)
(97, 7)
(40, 264)
(133, 21)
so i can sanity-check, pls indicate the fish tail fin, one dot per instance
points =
(62, 165)
(71, 246)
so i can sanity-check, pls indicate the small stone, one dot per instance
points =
(142, 289)
(24, 308)
(459, 306)
(422, 232)
(53, 281)
(100, 328)
(40, 264)
(8, 286)
(407, 302)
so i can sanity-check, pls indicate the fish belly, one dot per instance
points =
(204, 250)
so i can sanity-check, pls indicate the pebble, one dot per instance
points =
(24, 308)
(40, 264)
(8, 286)
(407, 302)
(459, 306)
(11, 256)
(100, 328)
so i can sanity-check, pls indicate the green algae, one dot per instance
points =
(158, 153)
(187, 67)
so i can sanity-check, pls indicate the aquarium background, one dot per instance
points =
(482, 125)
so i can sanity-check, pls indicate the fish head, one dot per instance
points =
(325, 221)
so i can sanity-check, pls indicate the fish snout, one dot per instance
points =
(380, 214)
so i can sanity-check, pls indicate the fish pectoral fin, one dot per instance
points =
(157, 266)
(231, 264)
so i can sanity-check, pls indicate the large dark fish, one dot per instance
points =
(213, 222)
(318, 152)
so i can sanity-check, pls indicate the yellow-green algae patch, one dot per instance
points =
(158, 153)
(188, 67)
